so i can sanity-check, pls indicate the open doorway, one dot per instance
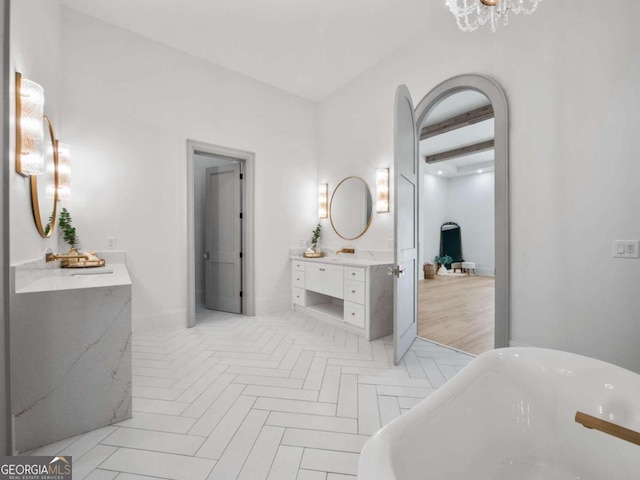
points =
(462, 205)
(221, 230)
(218, 227)
(408, 218)
(457, 162)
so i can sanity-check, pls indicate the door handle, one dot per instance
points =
(396, 271)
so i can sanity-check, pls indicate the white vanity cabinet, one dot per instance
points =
(298, 293)
(325, 279)
(357, 295)
(71, 350)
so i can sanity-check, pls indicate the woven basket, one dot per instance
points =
(429, 271)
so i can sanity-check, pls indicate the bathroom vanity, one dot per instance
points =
(356, 294)
(70, 350)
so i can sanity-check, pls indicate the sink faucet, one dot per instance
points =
(346, 250)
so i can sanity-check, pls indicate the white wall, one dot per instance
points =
(130, 104)
(470, 203)
(572, 77)
(200, 165)
(433, 208)
(35, 38)
(467, 200)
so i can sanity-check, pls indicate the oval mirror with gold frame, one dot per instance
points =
(44, 190)
(351, 209)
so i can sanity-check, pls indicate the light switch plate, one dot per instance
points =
(626, 249)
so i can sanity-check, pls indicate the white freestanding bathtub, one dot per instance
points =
(510, 415)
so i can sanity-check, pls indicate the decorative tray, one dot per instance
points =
(83, 264)
(313, 255)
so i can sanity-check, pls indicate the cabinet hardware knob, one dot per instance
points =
(353, 291)
(353, 314)
(353, 273)
(297, 296)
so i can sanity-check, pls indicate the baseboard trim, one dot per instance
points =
(486, 272)
(151, 322)
(268, 306)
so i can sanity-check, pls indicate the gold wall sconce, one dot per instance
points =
(44, 195)
(64, 171)
(60, 171)
(40, 156)
(323, 200)
(29, 127)
(382, 190)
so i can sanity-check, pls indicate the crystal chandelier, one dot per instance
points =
(470, 14)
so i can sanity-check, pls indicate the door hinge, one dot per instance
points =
(240, 214)
(240, 254)
(241, 176)
(241, 294)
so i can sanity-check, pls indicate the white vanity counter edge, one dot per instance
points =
(345, 261)
(79, 278)
(36, 276)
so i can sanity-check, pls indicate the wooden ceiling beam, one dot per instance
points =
(460, 152)
(463, 120)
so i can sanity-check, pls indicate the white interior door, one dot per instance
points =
(405, 309)
(223, 239)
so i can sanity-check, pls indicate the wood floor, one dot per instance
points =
(457, 311)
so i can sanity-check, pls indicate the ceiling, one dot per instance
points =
(308, 48)
(480, 162)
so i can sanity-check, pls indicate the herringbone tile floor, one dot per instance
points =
(256, 398)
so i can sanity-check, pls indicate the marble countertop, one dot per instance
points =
(56, 279)
(343, 260)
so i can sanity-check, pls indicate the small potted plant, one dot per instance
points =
(315, 237)
(68, 230)
(445, 260)
(314, 251)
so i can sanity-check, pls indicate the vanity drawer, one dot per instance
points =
(354, 291)
(297, 278)
(298, 265)
(299, 296)
(354, 314)
(354, 273)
